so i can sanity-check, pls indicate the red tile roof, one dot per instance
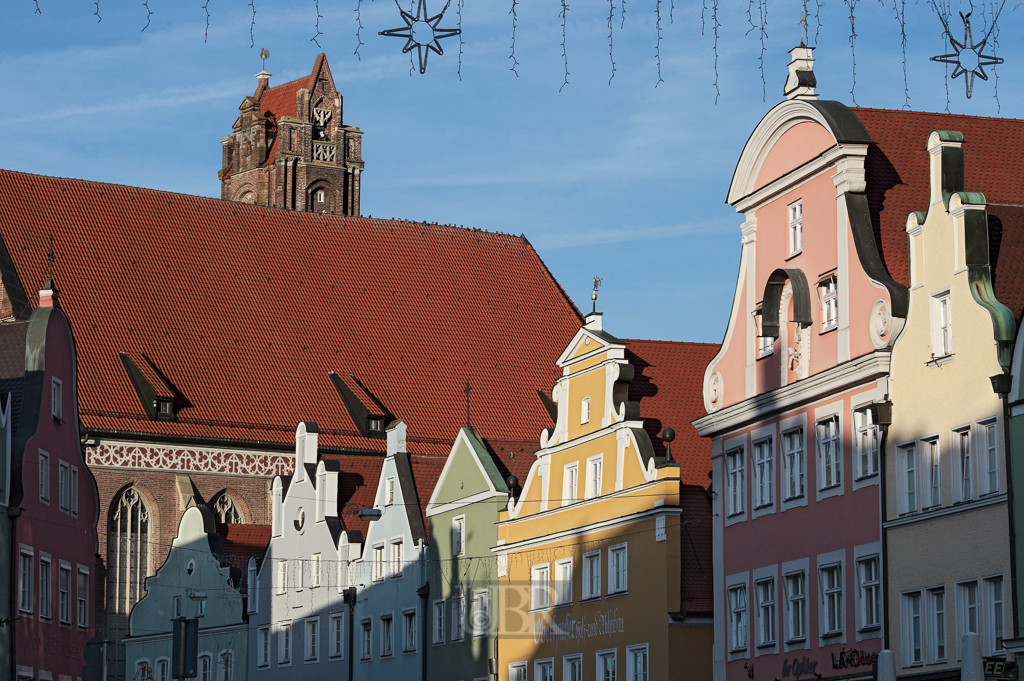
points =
(245, 309)
(897, 178)
(669, 387)
(695, 546)
(240, 542)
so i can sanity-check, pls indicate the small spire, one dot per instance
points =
(467, 389)
(48, 292)
(800, 82)
(593, 296)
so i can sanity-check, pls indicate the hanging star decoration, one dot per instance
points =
(422, 32)
(968, 57)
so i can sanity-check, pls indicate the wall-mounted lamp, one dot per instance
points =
(370, 514)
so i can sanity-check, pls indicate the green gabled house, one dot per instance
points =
(463, 571)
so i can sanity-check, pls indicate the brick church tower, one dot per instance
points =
(290, 148)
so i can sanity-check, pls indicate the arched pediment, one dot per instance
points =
(773, 297)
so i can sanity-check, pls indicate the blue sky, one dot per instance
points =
(625, 180)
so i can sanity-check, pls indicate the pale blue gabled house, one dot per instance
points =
(391, 575)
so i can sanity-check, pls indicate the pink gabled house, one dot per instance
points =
(796, 398)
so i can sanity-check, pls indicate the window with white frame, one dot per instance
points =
(74, 490)
(409, 631)
(563, 582)
(83, 596)
(831, 577)
(337, 633)
(765, 344)
(312, 639)
(659, 528)
(25, 590)
(458, 615)
(387, 636)
(163, 670)
(366, 640)
(637, 663)
(829, 292)
(594, 466)
(56, 399)
(989, 452)
(206, 667)
(263, 647)
(913, 629)
(585, 411)
(226, 666)
(868, 437)
(570, 478)
(994, 618)
(64, 592)
(765, 591)
(606, 665)
(63, 486)
(591, 575)
(44, 477)
(481, 617)
(906, 460)
(796, 227)
(572, 668)
(936, 635)
(397, 558)
(544, 670)
(438, 629)
(284, 639)
(869, 593)
(942, 325)
(963, 488)
(314, 570)
(389, 491)
(45, 580)
(932, 483)
(738, 618)
(968, 610)
(540, 583)
(378, 562)
(830, 452)
(735, 481)
(617, 569)
(793, 463)
(796, 606)
(458, 536)
(517, 671)
(764, 467)
(282, 576)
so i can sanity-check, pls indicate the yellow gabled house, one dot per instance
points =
(590, 561)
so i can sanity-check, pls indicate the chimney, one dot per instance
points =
(800, 83)
(48, 292)
(263, 77)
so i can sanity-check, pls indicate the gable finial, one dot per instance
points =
(264, 56)
(48, 282)
(467, 389)
(593, 296)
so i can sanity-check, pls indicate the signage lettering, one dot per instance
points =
(994, 666)
(853, 658)
(573, 629)
(798, 667)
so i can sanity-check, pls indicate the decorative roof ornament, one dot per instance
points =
(593, 296)
(422, 32)
(800, 82)
(968, 57)
(48, 281)
(264, 55)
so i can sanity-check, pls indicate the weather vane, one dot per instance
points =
(264, 55)
(968, 57)
(593, 296)
(422, 32)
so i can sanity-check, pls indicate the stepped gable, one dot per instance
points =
(897, 184)
(668, 385)
(243, 310)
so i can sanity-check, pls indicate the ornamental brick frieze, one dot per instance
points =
(192, 460)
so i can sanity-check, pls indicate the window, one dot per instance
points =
(458, 536)
(913, 646)
(796, 606)
(397, 558)
(765, 590)
(263, 650)
(829, 452)
(481, 613)
(366, 640)
(763, 468)
(735, 482)
(44, 586)
(796, 227)
(572, 668)
(765, 344)
(205, 668)
(585, 411)
(226, 510)
(990, 453)
(591, 575)
(867, 442)
(617, 569)
(282, 576)
(937, 624)
(541, 588)
(659, 528)
(964, 465)
(409, 631)
(44, 477)
(314, 570)
(636, 663)
(942, 325)
(738, 617)
(994, 619)
(63, 489)
(389, 492)
(64, 593)
(933, 489)
(378, 562)
(312, 639)
(177, 606)
(226, 665)
(544, 670)
(906, 459)
(163, 670)
(56, 399)
(793, 461)
(458, 616)
(284, 637)
(593, 477)
(563, 582)
(74, 490)
(517, 671)
(570, 477)
(25, 592)
(968, 610)
(870, 593)
(337, 635)
(606, 665)
(83, 600)
(832, 599)
(438, 622)
(387, 636)
(300, 574)
(829, 303)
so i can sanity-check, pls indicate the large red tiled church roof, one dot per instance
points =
(897, 184)
(244, 310)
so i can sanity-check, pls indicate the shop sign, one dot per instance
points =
(994, 666)
(853, 658)
(798, 667)
(578, 629)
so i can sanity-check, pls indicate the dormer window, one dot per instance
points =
(374, 425)
(164, 409)
(796, 227)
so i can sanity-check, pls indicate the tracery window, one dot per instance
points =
(127, 568)
(226, 510)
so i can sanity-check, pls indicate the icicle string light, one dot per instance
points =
(565, 58)
(38, 11)
(458, 10)
(852, 4)
(762, 6)
(512, 56)
(817, 20)
(900, 9)
(206, 8)
(252, 25)
(97, 12)
(359, 28)
(149, 13)
(657, 46)
(319, 16)
(622, 14)
(611, 55)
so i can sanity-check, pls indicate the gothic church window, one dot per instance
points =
(127, 567)
(226, 511)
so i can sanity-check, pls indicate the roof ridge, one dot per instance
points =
(936, 113)
(654, 340)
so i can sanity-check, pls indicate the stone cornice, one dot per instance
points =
(147, 456)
